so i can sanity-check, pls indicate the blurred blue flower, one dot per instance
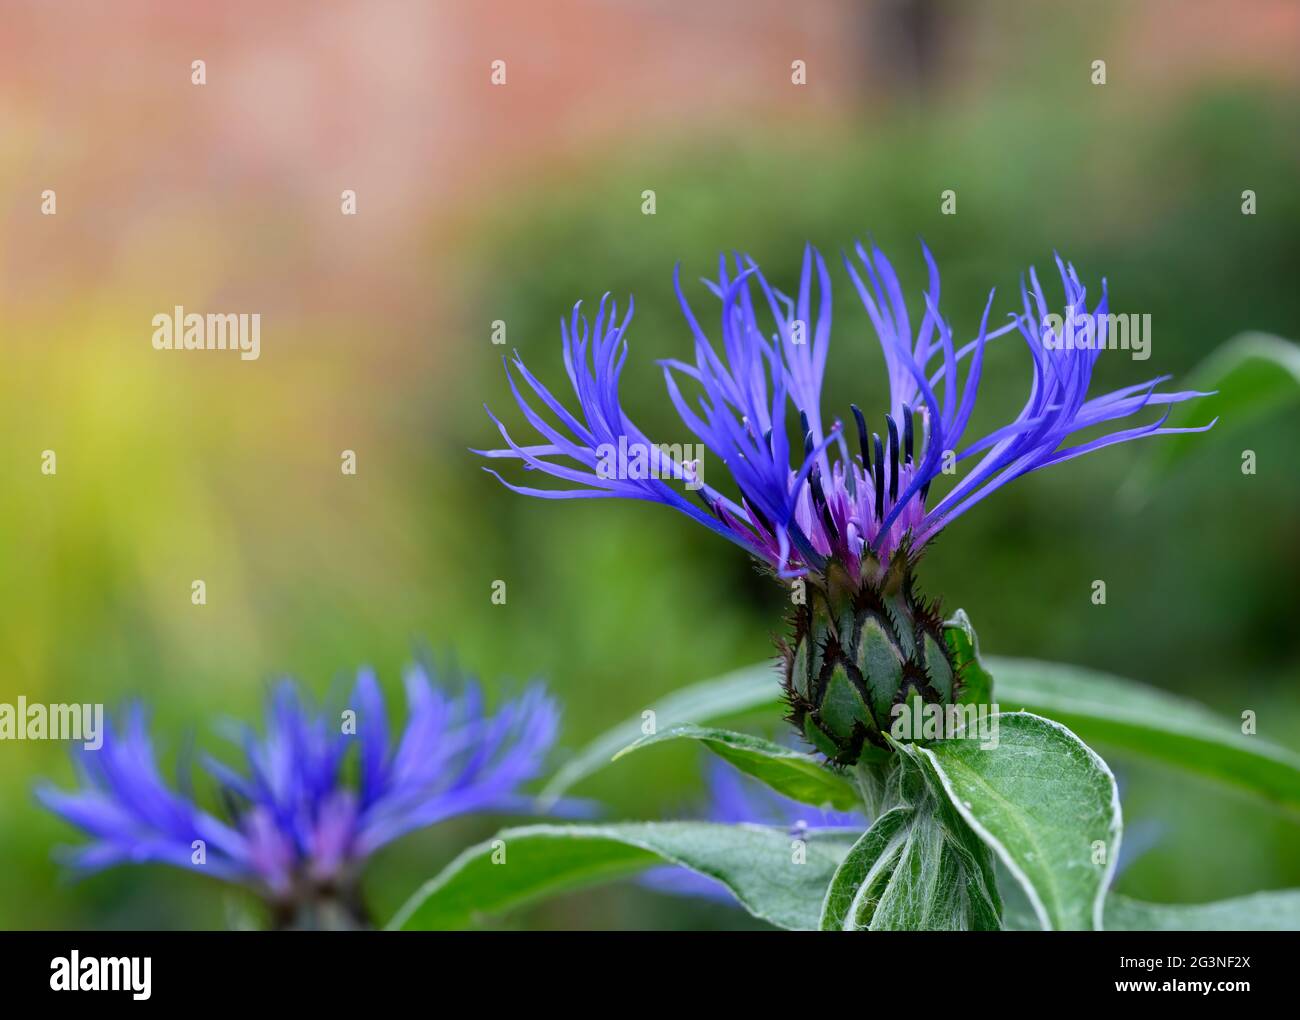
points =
(736, 800)
(796, 504)
(301, 816)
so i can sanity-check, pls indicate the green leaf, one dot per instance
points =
(798, 776)
(1123, 714)
(766, 869)
(964, 647)
(708, 701)
(1265, 911)
(1254, 374)
(858, 881)
(941, 882)
(918, 868)
(1045, 803)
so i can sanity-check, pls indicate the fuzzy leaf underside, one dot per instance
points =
(913, 870)
(865, 870)
(938, 884)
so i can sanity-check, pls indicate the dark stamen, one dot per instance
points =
(907, 434)
(893, 458)
(862, 437)
(879, 475)
(819, 500)
(807, 435)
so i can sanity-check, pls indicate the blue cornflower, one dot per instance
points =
(848, 526)
(797, 505)
(301, 817)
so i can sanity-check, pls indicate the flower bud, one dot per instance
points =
(862, 646)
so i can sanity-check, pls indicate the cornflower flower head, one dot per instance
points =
(843, 511)
(303, 813)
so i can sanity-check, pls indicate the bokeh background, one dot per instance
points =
(478, 203)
